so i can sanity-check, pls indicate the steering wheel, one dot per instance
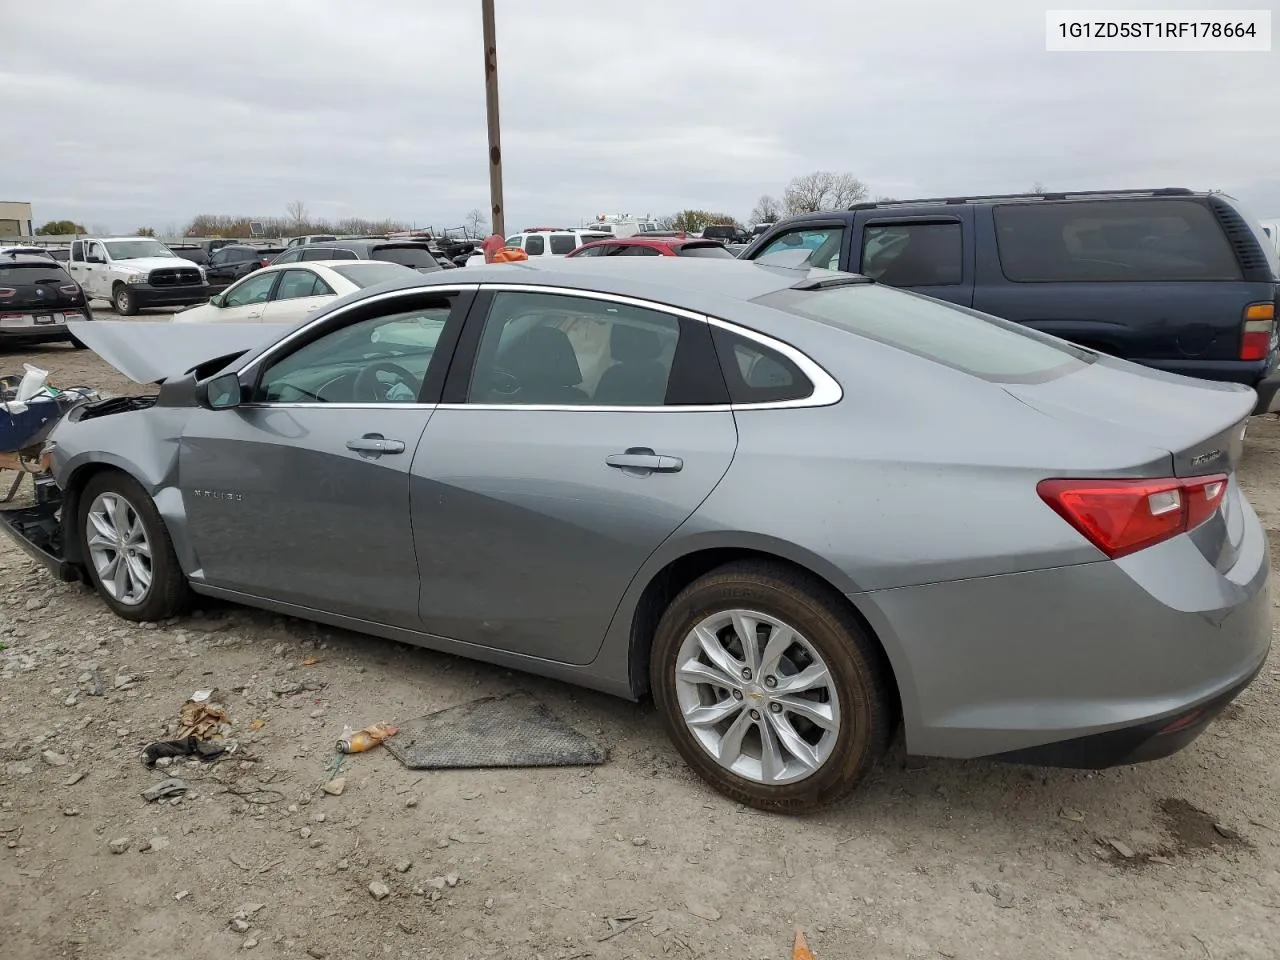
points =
(368, 387)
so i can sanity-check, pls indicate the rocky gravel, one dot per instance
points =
(637, 858)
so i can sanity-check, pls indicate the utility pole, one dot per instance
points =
(497, 216)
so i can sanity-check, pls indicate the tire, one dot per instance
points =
(857, 691)
(167, 594)
(123, 301)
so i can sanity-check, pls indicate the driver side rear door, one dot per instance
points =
(301, 494)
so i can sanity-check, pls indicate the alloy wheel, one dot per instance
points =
(757, 697)
(119, 548)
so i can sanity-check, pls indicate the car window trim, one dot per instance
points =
(826, 389)
(320, 326)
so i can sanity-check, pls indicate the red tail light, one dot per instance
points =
(265, 262)
(1120, 517)
(1255, 339)
(6, 292)
(70, 289)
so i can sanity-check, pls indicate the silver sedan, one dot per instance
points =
(798, 509)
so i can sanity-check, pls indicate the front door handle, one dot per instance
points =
(642, 460)
(374, 445)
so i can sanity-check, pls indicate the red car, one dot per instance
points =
(639, 246)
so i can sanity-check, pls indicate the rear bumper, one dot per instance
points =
(1091, 664)
(145, 295)
(40, 333)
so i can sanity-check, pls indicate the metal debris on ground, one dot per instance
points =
(508, 731)
(205, 750)
(165, 788)
(365, 739)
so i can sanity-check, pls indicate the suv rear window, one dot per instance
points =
(1112, 240)
(417, 257)
(957, 337)
(562, 243)
(29, 273)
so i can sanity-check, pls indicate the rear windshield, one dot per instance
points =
(957, 337)
(27, 273)
(417, 257)
(366, 273)
(716, 230)
(1112, 240)
(714, 250)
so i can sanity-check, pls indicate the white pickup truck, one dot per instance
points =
(135, 272)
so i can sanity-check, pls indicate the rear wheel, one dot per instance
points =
(123, 300)
(127, 549)
(770, 689)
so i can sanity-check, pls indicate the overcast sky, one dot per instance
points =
(122, 113)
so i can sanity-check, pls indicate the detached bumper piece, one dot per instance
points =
(38, 531)
(1138, 744)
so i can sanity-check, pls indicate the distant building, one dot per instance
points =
(15, 219)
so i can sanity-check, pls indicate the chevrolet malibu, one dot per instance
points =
(796, 507)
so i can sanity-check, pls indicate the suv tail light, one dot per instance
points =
(70, 289)
(1255, 340)
(1120, 517)
(6, 292)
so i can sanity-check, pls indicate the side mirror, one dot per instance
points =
(92, 259)
(220, 393)
(216, 300)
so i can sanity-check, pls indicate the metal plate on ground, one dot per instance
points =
(510, 731)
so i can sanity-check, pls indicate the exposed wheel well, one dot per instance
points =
(675, 576)
(71, 507)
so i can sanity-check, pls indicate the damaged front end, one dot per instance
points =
(38, 529)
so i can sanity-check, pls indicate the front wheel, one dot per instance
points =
(771, 690)
(127, 550)
(123, 300)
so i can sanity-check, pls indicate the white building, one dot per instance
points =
(15, 219)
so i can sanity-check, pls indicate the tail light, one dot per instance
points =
(6, 292)
(264, 262)
(1120, 517)
(69, 289)
(1255, 341)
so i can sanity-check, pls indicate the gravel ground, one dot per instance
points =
(933, 858)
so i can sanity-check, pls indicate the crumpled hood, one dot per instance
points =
(147, 264)
(153, 352)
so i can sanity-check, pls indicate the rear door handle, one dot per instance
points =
(374, 445)
(642, 459)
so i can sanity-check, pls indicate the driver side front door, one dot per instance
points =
(301, 493)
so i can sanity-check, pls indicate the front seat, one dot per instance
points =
(544, 364)
(638, 379)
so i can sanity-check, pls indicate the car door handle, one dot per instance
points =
(375, 445)
(642, 458)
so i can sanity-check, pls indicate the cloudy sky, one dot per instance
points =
(122, 113)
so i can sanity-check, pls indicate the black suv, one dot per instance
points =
(407, 253)
(229, 263)
(37, 298)
(1169, 278)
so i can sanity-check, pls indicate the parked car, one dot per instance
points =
(727, 484)
(37, 298)
(547, 243)
(287, 293)
(136, 272)
(726, 233)
(26, 252)
(1168, 278)
(408, 253)
(228, 264)
(311, 238)
(649, 246)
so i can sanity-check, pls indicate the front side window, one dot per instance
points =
(542, 348)
(252, 289)
(590, 251)
(219, 258)
(913, 254)
(534, 245)
(289, 256)
(562, 243)
(300, 283)
(957, 337)
(819, 247)
(639, 250)
(383, 359)
(1146, 240)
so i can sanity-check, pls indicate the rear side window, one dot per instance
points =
(756, 374)
(913, 254)
(419, 258)
(534, 246)
(711, 250)
(323, 253)
(1113, 240)
(562, 243)
(27, 273)
(957, 337)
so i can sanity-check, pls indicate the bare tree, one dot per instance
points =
(1037, 187)
(474, 218)
(145, 232)
(767, 210)
(297, 211)
(822, 190)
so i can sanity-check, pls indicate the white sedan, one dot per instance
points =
(291, 291)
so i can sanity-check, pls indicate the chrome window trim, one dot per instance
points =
(826, 389)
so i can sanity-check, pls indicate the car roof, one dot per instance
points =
(27, 260)
(643, 241)
(367, 243)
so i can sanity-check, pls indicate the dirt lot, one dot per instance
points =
(934, 858)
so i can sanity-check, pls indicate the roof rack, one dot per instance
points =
(1057, 195)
